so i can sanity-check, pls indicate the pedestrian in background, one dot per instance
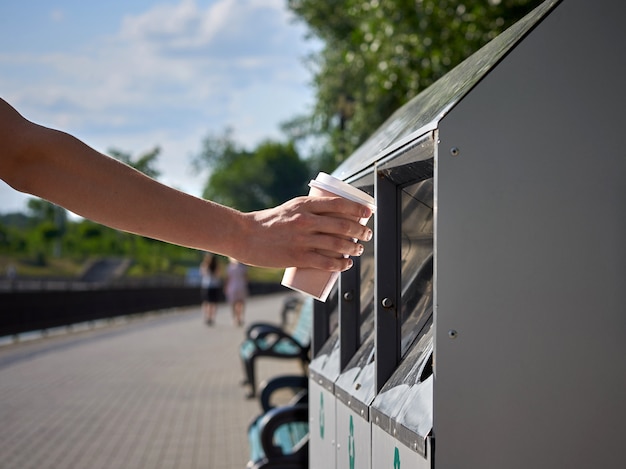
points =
(211, 286)
(237, 289)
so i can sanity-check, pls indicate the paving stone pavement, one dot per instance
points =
(159, 392)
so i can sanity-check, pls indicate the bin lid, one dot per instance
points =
(404, 407)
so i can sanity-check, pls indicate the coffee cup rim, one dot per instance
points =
(337, 186)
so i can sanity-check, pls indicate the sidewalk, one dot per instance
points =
(160, 392)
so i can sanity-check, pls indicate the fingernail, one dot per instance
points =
(368, 235)
(360, 250)
(350, 263)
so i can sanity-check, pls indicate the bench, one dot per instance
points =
(291, 305)
(279, 437)
(267, 340)
(297, 384)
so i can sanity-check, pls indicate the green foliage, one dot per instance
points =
(46, 233)
(251, 180)
(378, 54)
(144, 162)
(11, 235)
(32, 245)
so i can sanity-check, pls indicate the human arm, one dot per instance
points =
(60, 168)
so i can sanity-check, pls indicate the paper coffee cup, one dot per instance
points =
(314, 282)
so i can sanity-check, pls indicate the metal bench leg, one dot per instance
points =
(246, 378)
(251, 377)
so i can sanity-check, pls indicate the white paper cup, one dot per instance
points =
(319, 283)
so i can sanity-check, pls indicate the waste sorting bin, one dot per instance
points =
(510, 351)
(354, 390)
(356, 386)
(353, 314)
(402, 413)
(323, 370)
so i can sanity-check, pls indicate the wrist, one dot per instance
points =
(238, 235)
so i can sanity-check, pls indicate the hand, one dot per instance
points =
(313, 232)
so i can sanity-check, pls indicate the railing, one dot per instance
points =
(43, 284)
(25, 308)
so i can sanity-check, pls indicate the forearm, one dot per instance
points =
(58, 167)
(143, 206)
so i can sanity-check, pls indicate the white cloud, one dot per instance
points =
(169, 76)
(218, 29)
(170, 57)
(57, 15)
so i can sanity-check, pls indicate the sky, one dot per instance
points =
(134, 74)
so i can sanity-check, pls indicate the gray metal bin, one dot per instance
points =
(357, 385)
(323, 371)
(523, 145)
(353, 313)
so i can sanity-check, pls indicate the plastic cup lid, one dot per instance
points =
(337, 186)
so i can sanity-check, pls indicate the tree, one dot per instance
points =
(144, 162)
(52, 223)
(251, 180)
(378, 54)
(47, 229)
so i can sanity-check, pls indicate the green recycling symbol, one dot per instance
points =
(396, 459)
(322, 419)
(351, 452)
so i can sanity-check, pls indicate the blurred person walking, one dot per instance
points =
(211, 287)
(237, 289)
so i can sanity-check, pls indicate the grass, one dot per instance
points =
(31, 267)
(70, 268)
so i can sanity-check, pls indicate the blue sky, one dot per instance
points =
(133, 74)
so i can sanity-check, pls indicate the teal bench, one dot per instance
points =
(267, 340)
(298, 385)
(279, 437)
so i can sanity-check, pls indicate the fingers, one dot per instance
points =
(342, 227)
(337, 247)
(337, 216)
(338, 205)
(336, 226)
(332, 264)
